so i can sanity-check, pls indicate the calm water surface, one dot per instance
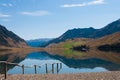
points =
(68, 65)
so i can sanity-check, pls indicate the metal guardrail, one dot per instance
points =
(33, 66)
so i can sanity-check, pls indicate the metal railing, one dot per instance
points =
(33, 66)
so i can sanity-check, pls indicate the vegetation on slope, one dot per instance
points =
(65, 47)
(9, 39)
(88, 32)
(69, 43)
(109, 40)
(112, 41)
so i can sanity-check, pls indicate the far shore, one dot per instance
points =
(110, 75)
(14, 49)
(27, 49)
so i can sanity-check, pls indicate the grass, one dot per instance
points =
(73, 42)
(73, 54)
(68, 45)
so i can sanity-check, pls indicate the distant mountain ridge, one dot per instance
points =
(41, 39)
(9, 39)
(38, 42)
(88, 32)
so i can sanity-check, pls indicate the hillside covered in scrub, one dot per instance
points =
(10, 39)
(87, 33)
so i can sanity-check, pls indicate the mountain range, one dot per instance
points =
(38, 42)
(10, 39)
(88, 32)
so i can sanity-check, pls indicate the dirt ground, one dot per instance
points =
(114, 75)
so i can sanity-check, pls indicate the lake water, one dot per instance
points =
(69, 65)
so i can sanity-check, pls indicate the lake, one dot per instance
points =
(69, 65)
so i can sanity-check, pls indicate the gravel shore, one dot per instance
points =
(114, 75)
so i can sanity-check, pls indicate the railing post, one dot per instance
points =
(22, 69)
(46, 69)
(35, 69)
(5, 67)
(53, 68)
(57, 67)
(60, 65)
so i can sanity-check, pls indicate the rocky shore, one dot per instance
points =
(113, 75)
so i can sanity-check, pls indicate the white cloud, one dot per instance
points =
(4, 15)
(36, 13)
(95, 2)
(7, 4)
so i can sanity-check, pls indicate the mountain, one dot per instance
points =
(109, 29)
(74, 33)
(38, 42)
(88, 32)
(108, 39)
(9, 39)
(107, 43)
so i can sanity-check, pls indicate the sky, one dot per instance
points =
(33, 19)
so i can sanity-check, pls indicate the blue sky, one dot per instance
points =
(31, 19)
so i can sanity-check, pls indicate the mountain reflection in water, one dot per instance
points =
(69, 65)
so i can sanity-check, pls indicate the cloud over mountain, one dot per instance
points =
(36, 13)
(95, 2)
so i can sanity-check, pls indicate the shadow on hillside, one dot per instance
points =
(82, 48)
(107, 47)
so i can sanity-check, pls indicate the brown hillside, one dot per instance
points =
(109, 39)
(9, 39)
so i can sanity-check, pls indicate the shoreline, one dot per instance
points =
(110, 75)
